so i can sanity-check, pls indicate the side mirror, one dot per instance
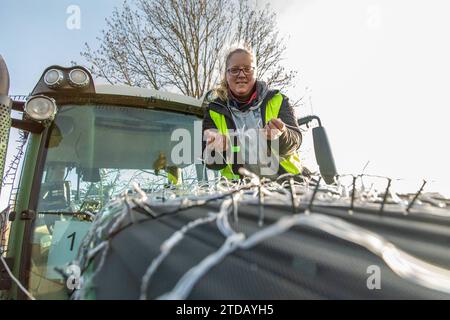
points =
(322, 150)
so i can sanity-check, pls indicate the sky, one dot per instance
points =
(34, 35)
(378, 72)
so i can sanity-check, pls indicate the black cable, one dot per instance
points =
(385, 195)
(416, 196)
(314, 195)
(293, 195)
(353, 195)
(260, 206)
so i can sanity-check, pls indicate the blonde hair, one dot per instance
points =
(221, 91)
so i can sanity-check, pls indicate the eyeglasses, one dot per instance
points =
(235, 71)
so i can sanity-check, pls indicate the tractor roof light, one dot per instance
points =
(78, 78)
(41, 108)
(53, 78)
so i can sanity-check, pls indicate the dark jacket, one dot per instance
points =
(289, 141)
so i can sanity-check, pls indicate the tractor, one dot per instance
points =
(99, 206)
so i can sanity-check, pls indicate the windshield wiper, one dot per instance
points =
(82, 215)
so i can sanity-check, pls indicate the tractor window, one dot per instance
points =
(94, 153)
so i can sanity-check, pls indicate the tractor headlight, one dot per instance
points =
(78, 78)
(53, 78)
(41, 108)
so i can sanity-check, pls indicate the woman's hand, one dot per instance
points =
(215, 141)
(274, 129)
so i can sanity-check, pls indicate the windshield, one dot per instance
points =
(96, 152)
(93, 154)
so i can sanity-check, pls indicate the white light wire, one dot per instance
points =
(400, 262)
(19, 285)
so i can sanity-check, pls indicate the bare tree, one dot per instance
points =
(123, 56)
(258, 29)
(179, 44)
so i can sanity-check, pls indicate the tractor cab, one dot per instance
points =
(86, 144)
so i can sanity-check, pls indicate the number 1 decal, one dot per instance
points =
(73, 240)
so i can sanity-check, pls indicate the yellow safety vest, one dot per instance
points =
(174, 176)
(291, 164)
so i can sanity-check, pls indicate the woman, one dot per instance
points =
(240, 106)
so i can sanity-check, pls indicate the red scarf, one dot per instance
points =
(243, 103)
